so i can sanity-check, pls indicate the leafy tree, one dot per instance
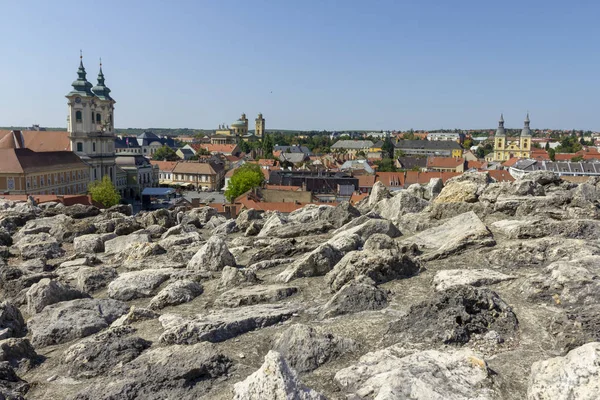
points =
(202, 152)
(467, 143)
(165, 153)
(246, 177)
(104, 192)
(552, 154)
(386, 165)
(480, 152)
(577, 158)
(388, 148)
(244, 147)
(268, 143)
(547, 146)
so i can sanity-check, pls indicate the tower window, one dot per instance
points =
(79, 146)
(78, 116)
(94, 147)
(98, 118)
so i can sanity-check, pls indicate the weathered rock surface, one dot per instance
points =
(136, 284)
(121, 243)
(396, 373)
(454, 315)
(19, 353)
(11, 321)
(90, 279)
(47, 292)
(472, 277)
(11, 386)
(222, 325)
(178, 292)
(358, 295)
(155, 375)
(92, 243)
(306, 348)
(274, 380)
(213, 256)
(574, 376)
(232, 277)
(98, 354)
(316, 263)
(254, 295)
(68, 320)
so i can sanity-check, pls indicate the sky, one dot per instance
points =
(307, 65)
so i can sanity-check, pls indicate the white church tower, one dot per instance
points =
(90, 124)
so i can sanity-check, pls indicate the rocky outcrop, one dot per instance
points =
(154, 375)
(178, 292)
(455, 235)
(90, 279)
(222, 325)
(316, 263)
(574, 376)
(213, 256)
(93, 243)
(272, 223)
(454, 315)
(98, 354)
(39, 245)
(11, 321)
(47, 292)
(68, 320)
(306, 348)
(254, 295)
(472, 277)
(19, 353)
(274, 380)
(398, 373)
(137, 284)
(361, 294)
(121, 243)
(232, 277)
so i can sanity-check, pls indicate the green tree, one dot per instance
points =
(467, 144)
(388, 148)
(268, 143)
(202, 152)
(547, 146)
(246, 177)
(552, 154)
(577, 158)
(104, 192)
(165, 153)
(386, 165)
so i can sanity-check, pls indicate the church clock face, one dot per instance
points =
(77, 100)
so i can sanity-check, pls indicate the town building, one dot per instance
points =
(199, 175)
(507, 147)
(185, 153)
(446, 136)
(350, 149)
(165, 171)
(238, 131)
(411, 162)
(446, 164)
(140, 174)
(24, 171)
(564, 168)
(90, 124)
(231, 149)
(444, 148)
(259, 129)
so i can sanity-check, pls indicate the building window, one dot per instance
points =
(42, 180)
(79, 146)
(73, 175)
(78, 116)
(79, 174)
(62, 177)
(10, 185)
(95, 174)
(98, 118)
(94, 147)
(28, 183)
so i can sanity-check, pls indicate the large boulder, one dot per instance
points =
(233, 277)
(137, 284)
(19, 353)
(453, 236)
(11, 386)
(254, 295)
(98, 354)
(245, 218)
(316, 263)
(219, 326)
(574, 376)
(39, 245)
(397, 373)
(178, 292)
(454, 315)
(273, 223)
(121, 243)
(213, 256)
(400, 204)
(47, 291)
(274, 380)
(68, 320)
(296, 229)
(173, 372)
(536, 227)
(366, 226)
(11, 321)
(92, 243)
(361, 294)
(306, 348)
(199, 216)
(90, 279)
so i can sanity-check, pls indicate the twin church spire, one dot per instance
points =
(82, 87)
(526, 131)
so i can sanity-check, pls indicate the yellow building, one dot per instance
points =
(506, 148)
(237, 132)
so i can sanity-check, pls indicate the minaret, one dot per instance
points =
(260, 126)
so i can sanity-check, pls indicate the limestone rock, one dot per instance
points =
(232, 277)
(396, 373)
(199, 216)
(11, 321)
(316, 263)
(93, 243)
(472, 277)
(98, 354)
(274, 380)
(120, 243)
(306, 348)
(219, 326)
(274, 222)
(11, 386)
(46, 292)
(68, 320)
(455, 235)
(135, 314)
(358, 295)
(454, 315)
(213, 256)
(291, 230)
(137, 284)
(245, 218)
(254, 295)
(90, 279)
(39, 245)
(178, 292)
(574, 376)
(400, 204)
(19, 353)
(366, 226)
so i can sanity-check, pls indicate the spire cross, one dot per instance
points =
(100, 62)
(81, 54)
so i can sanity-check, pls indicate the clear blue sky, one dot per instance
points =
(331, 65)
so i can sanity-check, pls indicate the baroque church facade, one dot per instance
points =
(238, 131)
(90, 124)
(506, 148)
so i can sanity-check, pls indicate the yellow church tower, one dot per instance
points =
(500, 140)
(260, 126)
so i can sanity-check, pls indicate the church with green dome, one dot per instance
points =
(238, 131)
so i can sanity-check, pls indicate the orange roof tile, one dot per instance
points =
(444, 162)
(356, 197)
(389, 179)
(366, 180)
(476, 164)
(501, 175)
(41, 141)
(164, 165)
(510, 162)
(281, 187)
(215, 148)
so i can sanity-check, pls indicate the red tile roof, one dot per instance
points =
(164, 165)
(356, 197)
(391, 179)
(44, 140)
(476, 164)
(444, 162)
(215, 148)
(366, 180)
(424, 177)
(501, 175)
(281, 187)
(510, 162)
